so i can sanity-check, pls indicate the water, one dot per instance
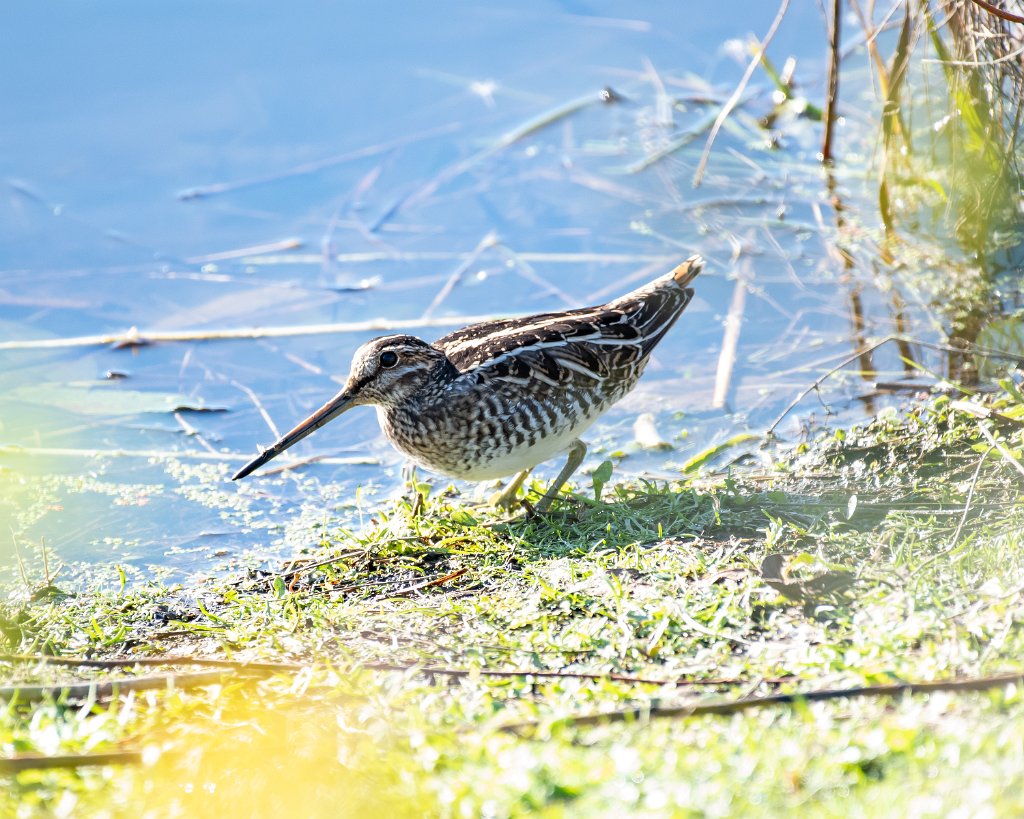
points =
(209, 167)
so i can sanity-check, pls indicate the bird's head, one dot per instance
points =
(391, 369)
(387, 371)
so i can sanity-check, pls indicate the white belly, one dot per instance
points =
(527, 458)
(499, 464)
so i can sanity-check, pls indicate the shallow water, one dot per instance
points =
(203, 169)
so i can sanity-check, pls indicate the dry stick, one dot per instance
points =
(644, 274)
(259, 407)
(833, 82)
(730, 341)
(871, 35)
(565, 675)
(290, 465)
(998, 12)
(68, 452)
(193, 433)
(736, 706)
(108, 688)
(487, 242)
(735, 98)
(436, 581)
(976, 349)
(124, 662)
(318, 165)
(437, 671)
(242, 252)
(820, 380)
(1013, 55)
(504, 141)
(307, 567)
(524, 269)
(369, 256)
(135, 337)
(269, 578)
(29, 762)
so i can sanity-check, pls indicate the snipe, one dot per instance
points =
(498, 398)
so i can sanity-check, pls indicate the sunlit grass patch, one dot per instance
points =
(886, 553)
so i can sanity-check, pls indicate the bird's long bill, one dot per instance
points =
(332, 409)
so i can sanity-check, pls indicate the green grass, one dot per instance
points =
(852, 562)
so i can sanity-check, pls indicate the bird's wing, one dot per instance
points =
(580, 346)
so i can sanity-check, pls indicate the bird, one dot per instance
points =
(496, 399)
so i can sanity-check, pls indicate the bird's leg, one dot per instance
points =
(508, 495)
(577, 452)
(408, 473)
(410, 492)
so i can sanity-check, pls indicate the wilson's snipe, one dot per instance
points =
(498, 398)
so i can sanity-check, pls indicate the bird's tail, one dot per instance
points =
(688, 270)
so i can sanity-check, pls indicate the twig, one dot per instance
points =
(290, 465)
(306, 567)
(127, 662)
(892, 386)
(821, 379)
(730, 342)
(194, 433)
(107, 688)
(974, 349)
(377, 666)
(259, 407)
(736, 706)
(871, 35)
(644, 274)
(524, 269)
(487, 242)
(998, 12)
(399, 592)
(242, 252)
(945, 348)
(415, 257)
(437, 581)
(135, 337)
(506, 140)
(1013, 55)
(67, 452)
(731, 102)
(317, 165)
(29, 762)
(833, 81)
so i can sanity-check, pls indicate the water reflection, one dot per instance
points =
(353, 171)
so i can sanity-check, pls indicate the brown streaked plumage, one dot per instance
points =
(498, 398)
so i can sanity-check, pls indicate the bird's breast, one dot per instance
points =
(488, 436)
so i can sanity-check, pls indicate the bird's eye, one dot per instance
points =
(388, 359)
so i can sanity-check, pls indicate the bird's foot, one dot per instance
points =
(506, 499)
